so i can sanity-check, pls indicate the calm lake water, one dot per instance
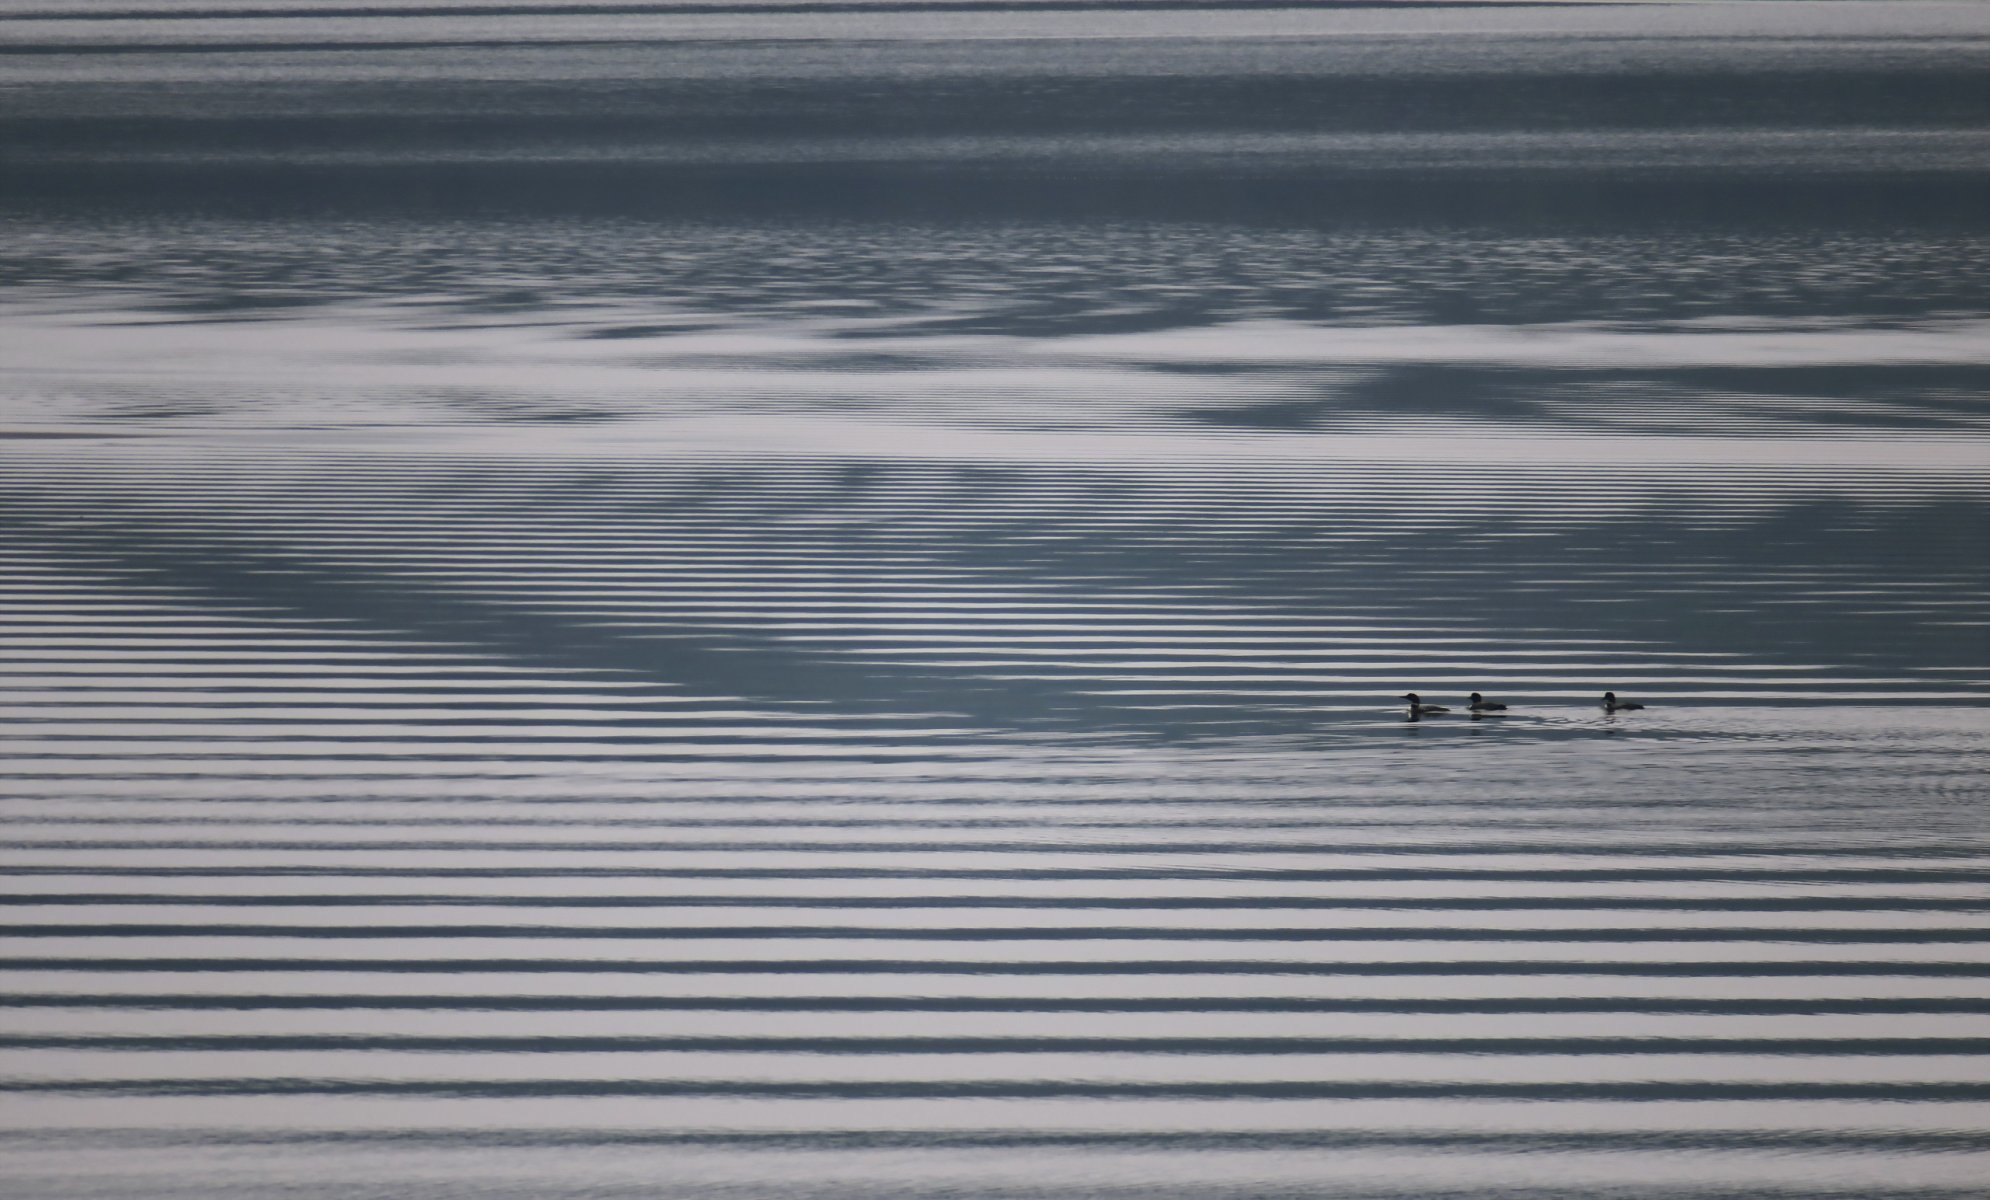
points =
(808, 600)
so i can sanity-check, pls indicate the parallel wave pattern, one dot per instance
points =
(814, 825)
(1266, 596)
(807, 599)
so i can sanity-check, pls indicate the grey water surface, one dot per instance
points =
(807, 599)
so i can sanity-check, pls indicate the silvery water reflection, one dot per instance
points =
(809, 603)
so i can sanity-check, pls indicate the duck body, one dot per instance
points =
(1480, 704)
(1612, 704)
(1418, 708)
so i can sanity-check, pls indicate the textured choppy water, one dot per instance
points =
(807, 601)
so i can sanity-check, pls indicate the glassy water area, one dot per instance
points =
(807, 600)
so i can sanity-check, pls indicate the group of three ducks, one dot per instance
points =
(1479, 705)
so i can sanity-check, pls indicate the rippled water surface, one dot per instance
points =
(640, 600)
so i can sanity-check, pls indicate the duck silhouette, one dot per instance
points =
(1418, 708)
(1612, 704)
(1480, 704)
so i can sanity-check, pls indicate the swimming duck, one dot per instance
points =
(1418, 708)
(1612, 704)
(1480, 704)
